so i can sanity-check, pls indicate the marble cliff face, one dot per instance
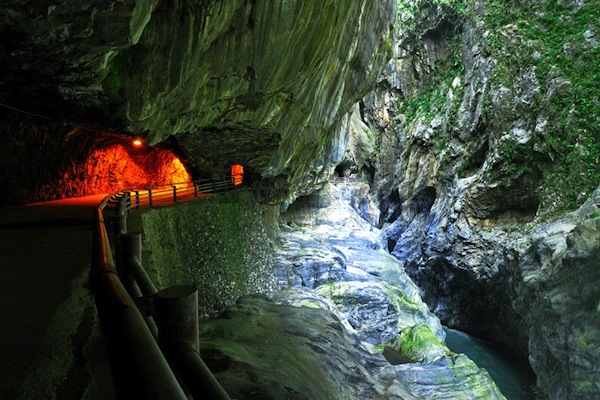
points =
(469, 140)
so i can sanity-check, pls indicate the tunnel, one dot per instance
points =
(111, 161)
(237, 174)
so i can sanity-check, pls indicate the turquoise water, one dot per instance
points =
(513, 375)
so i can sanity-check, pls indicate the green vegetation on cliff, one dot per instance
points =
(544, 58)
(561, 42)
(409, 12)
(440, 95)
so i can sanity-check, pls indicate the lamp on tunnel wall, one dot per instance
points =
(137, 142)
(237, 174)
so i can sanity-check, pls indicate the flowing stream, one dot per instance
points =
(513, 374)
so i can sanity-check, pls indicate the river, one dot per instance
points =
(513, 374)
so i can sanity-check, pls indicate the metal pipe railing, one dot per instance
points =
(141, 277)
(161, 195)
(139, 367)
(176, 312)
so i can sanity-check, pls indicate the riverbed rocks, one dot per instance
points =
(300, 349)
(299, 346)
(328, 248)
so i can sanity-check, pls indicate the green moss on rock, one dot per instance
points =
(420, 344)
(557, 39)
(217, 244)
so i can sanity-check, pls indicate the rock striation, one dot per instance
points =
(327, 251)
(484, 146)
(263, 84)
(478, 139)
(558, 292)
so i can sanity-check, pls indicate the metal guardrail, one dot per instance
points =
(166, 195)
(139, 366)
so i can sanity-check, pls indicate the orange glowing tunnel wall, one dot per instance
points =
(125, 165)
(237, 174)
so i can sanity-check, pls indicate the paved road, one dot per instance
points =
(49, 342)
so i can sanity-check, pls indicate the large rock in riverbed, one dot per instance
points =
(300, 347)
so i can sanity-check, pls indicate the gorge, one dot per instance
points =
(459, 137)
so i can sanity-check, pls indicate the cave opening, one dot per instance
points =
(109, 162)
(237, 174)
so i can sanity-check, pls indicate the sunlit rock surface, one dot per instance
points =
(328, 247)
(301, 349)
(354, 300)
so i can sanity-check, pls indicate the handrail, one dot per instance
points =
(167, 194)
(139, 368)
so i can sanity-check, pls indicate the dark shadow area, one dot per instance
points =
(512, 373)
(57, 223)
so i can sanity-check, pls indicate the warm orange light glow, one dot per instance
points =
(175, 172)
(115, 168)
(237, 174)
(137, 142)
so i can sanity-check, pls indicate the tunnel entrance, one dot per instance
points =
(237, 174)
(114, 162)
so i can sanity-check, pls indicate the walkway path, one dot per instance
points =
(47, 313)
(50, 344)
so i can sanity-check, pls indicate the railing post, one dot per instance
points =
(131, 246)
(137, 199)
(174, 193)
(122, 208)
(150, 197)
(120, 217)
(133, 276)
(177, 317)
(132, 263)
(195, 189)
(127, 197)
(176, 314)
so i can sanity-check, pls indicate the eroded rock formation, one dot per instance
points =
(484, 140)
(558, 292)
(481, 135)
(342, 300)
(263, 84)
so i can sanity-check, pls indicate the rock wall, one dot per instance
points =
(484, 139)
(217, 244)
(330, 263)
(559, 294)
(263, 84)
